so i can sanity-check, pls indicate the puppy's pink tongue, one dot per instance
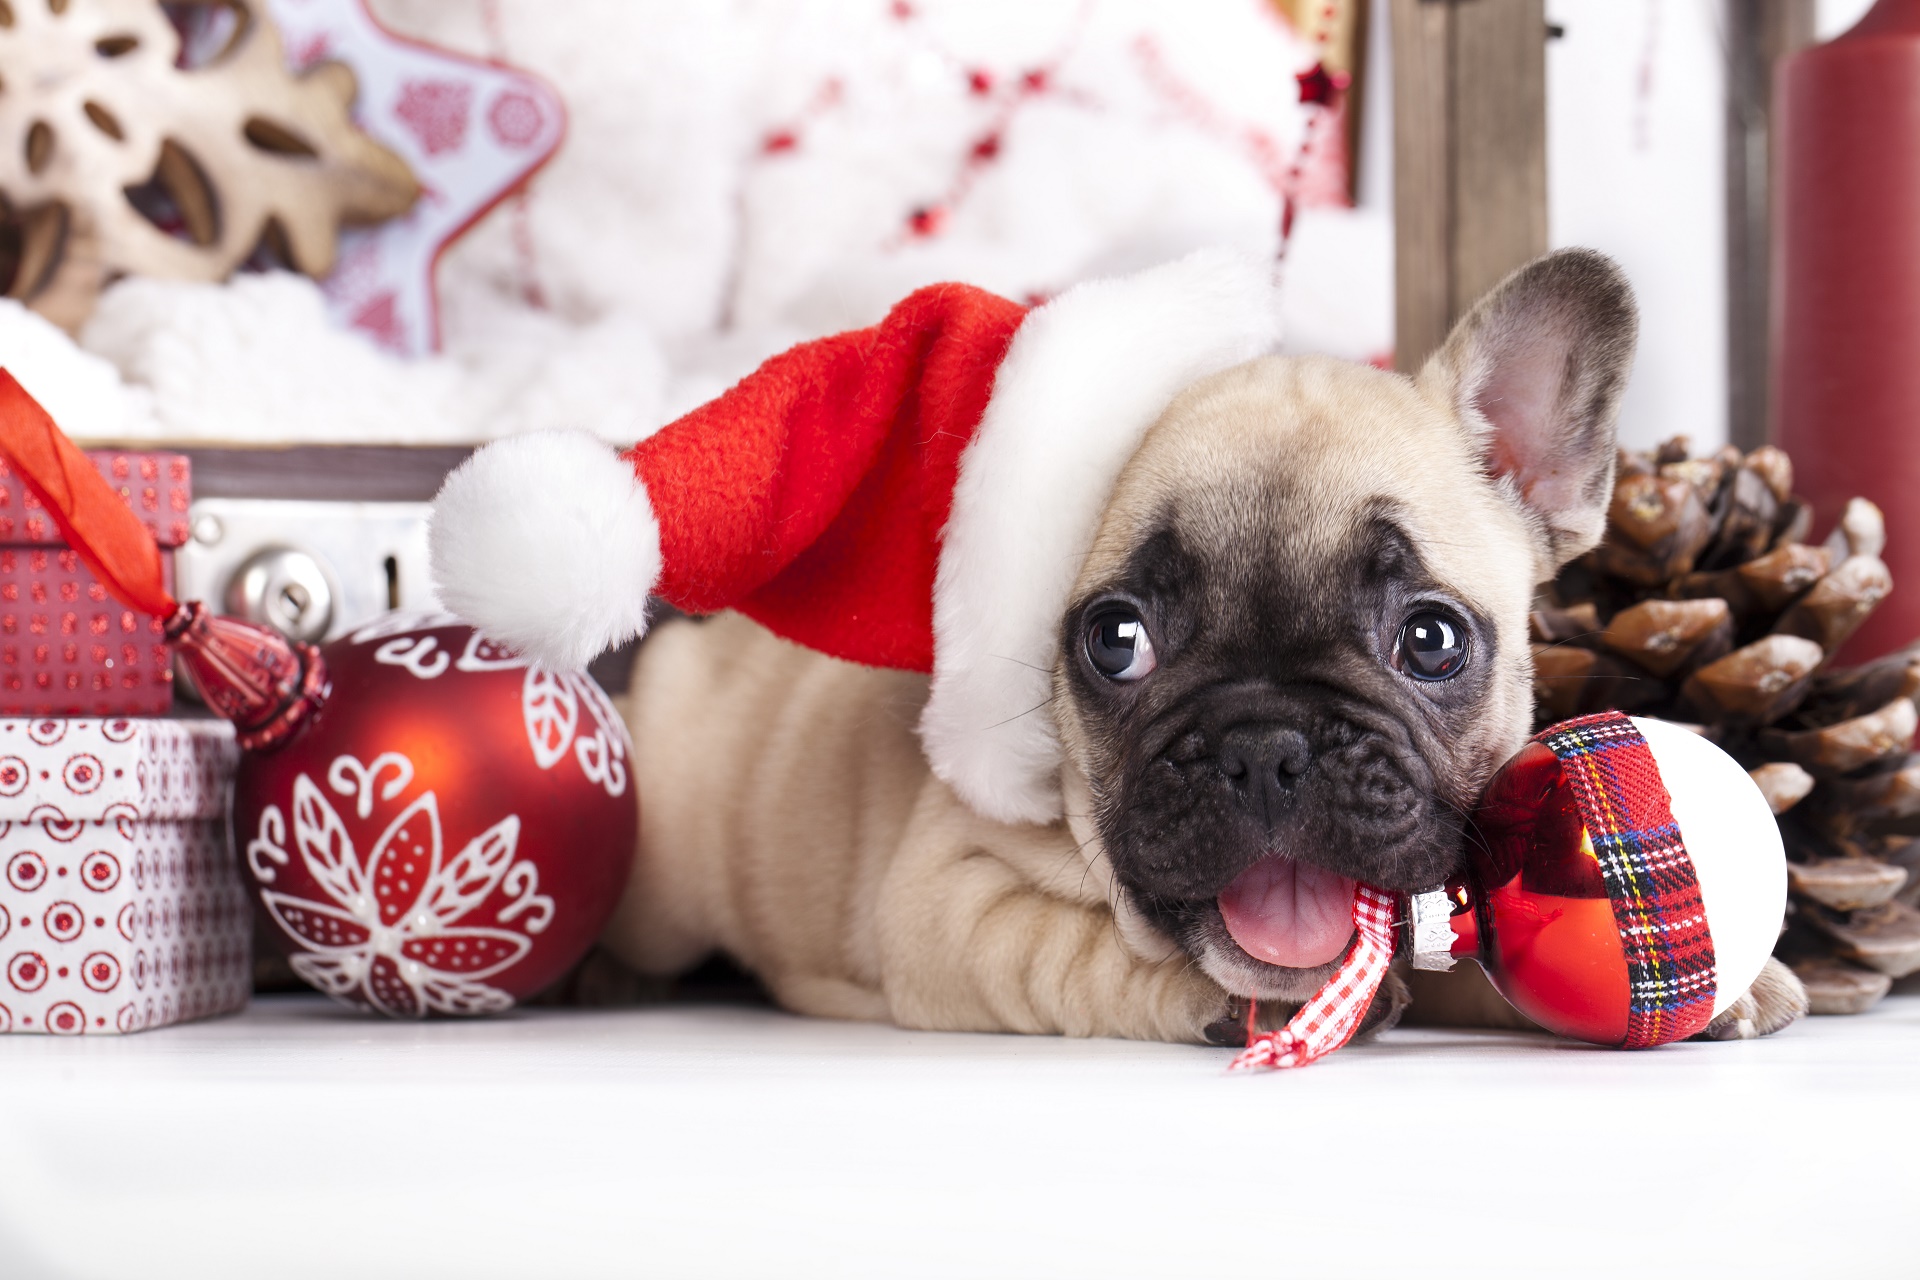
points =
(1289, 913)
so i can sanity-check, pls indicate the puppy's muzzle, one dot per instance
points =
(1251, 772)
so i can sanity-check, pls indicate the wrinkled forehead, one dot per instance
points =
(1304, 463)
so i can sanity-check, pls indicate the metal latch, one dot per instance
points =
(311, 570)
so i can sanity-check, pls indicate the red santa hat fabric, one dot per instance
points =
(919, 494)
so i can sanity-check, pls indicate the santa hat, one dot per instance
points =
(920, 495)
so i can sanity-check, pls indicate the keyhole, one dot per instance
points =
(285, 588)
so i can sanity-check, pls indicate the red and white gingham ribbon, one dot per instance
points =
(1330, 1018)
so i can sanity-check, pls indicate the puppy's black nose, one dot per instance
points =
(1264, 763)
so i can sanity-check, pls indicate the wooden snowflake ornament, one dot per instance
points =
(116, 160)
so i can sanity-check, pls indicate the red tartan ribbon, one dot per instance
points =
(1330, 1018)
(1648, 874)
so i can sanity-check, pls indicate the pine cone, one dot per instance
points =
(1706, 605)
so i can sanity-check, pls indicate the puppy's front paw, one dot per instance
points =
(1775, 1000)
(1230, 1029)
(1388, 1004)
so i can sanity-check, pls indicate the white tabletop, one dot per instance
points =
(301, 1140)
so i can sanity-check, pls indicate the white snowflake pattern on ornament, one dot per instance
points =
(392, 935)
(550, 702)
(551, 705)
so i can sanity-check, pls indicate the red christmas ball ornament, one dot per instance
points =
(445, 830)
(1626, 886)
(1624, 883)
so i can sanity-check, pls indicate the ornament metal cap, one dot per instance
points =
(1429, 929)
(251, 675)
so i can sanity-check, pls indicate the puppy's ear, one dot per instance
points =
(1535, 372)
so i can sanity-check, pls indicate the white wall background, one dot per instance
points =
(1835, 16)
(1635, 150)
(1636, 147)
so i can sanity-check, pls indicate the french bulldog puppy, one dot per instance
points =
(1294, 656)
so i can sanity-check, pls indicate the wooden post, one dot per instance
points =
(1759, 33)
(1469, 157)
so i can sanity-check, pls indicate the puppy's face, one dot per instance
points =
(1298, 649)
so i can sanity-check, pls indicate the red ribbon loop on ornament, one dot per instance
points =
(93, 519)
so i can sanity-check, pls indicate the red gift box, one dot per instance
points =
(66, 646)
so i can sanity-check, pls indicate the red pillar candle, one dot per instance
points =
(1846, 322)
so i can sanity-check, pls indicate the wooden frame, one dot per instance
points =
(1759, 33)
(1469, 157)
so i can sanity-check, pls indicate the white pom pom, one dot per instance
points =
(548, 543)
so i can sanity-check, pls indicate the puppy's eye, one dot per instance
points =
(1432, 646)
(1118, 645)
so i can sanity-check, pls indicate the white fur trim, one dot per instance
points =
(81, 392)
(548, 543)
(1085, 378)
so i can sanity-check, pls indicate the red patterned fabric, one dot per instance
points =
(1330, 1018)
(811, 497)
(1648, 874)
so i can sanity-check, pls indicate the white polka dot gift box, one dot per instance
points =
(121, 907)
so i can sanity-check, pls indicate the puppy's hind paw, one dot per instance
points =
(1775, 1000)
